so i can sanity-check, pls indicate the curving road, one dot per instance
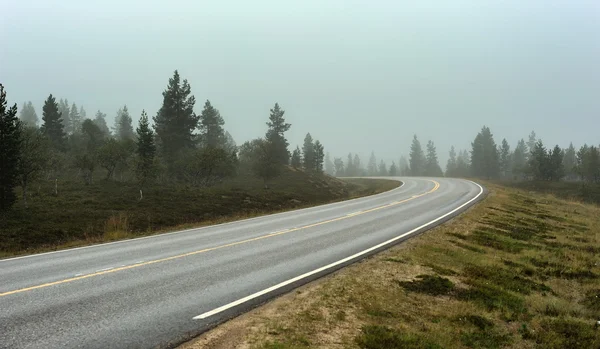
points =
(159, 291)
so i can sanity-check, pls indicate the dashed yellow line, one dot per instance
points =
(132, 266)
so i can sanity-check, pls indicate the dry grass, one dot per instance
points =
(519, 270)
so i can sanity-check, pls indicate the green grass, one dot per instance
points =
(111, 210)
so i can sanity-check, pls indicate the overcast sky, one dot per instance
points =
(359, 75)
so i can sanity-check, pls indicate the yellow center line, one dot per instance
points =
(114, 270)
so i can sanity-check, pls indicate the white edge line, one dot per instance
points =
(398, 179)
(341, 261)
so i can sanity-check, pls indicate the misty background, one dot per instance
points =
(361, 76)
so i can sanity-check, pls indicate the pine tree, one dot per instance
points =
(82, 114)
(393, 169)
(296, 158)
(432, 166)
(34, 158)
(146, 151)
(357, 165)
(463, 164)
(383, 171)
(176, 121)
(451, 164)
(484, 156)
(531, 143)
(556, 169)
(76, 119)
(538, 162)
(28, 115)
(329, 167)
(124, 125)
(100, 121)
(417, 158)
(372, 166)
(338, 163)
(403, 166)
(10, 143)
(308, 153)
(275, 134)
(52, 126)
(211, 127)
(519, 160)
(505, 159)
(350, 170)
(570, 162)
(319, 156)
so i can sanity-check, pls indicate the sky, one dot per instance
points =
(360, 76)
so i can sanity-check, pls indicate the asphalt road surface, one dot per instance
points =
(161, 290)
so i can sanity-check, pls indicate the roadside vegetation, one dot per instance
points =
(519, 270)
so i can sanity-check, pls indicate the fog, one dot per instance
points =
(358, 75)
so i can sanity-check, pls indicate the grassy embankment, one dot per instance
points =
(108, 210)
(519, 270)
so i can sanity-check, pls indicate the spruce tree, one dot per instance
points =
(357, 165)
(28, 115)
(275, 134)
(350, 171)
(417, 158)
(519, 160)
(10, 143)
(463, 164)
(52, 126)
(146, 151)
(65, 110)
(372, 166)
(484, 155)
(531, 143)
(451, 164)
(570, 162)
(82, 114)
(76, 119)
(556, 170)
(403, 167)
(296, 158)
(338, 163)
(176, 121)
(308, 154)
(100, 121)
(393, 169)
(211, 127)
(319, 156)
(432, 166)
(124, 125)
(505, 159)
(383, 171)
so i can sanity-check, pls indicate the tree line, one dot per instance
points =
(176, 145)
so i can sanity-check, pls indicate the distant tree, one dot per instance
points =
(451, 164)
(417, 158)
(519, 160)
(484, 156)
(393, 169)
(76, 119)
(261, 158)
(275, 135)
(28, 115)
(34, 158)
(229, 143)
(100, 121)
(10, 143)
(211, 127)
(432, 166)
(308, 153)
(531, 143)
(588, 163)
(146, 152)
(124, 125)
(296, 158)
(93, 136)
(176, 121)
(403, 167)
(64, 110)
(357, 165)
(319, 156)
(463, 164)
(82, 113)
(329, 167)
(505, 159)
(372, 166)
(338, 163)
(538, 162)
(570, 162)
(52, 126)
(383, 171)
(350, 168)
(556, 170)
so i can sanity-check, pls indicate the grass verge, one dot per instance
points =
(108, 210)
(519, 270)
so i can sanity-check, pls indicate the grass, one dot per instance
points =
(519, 270)
(110, 210)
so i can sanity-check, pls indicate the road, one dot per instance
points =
(159, 291)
